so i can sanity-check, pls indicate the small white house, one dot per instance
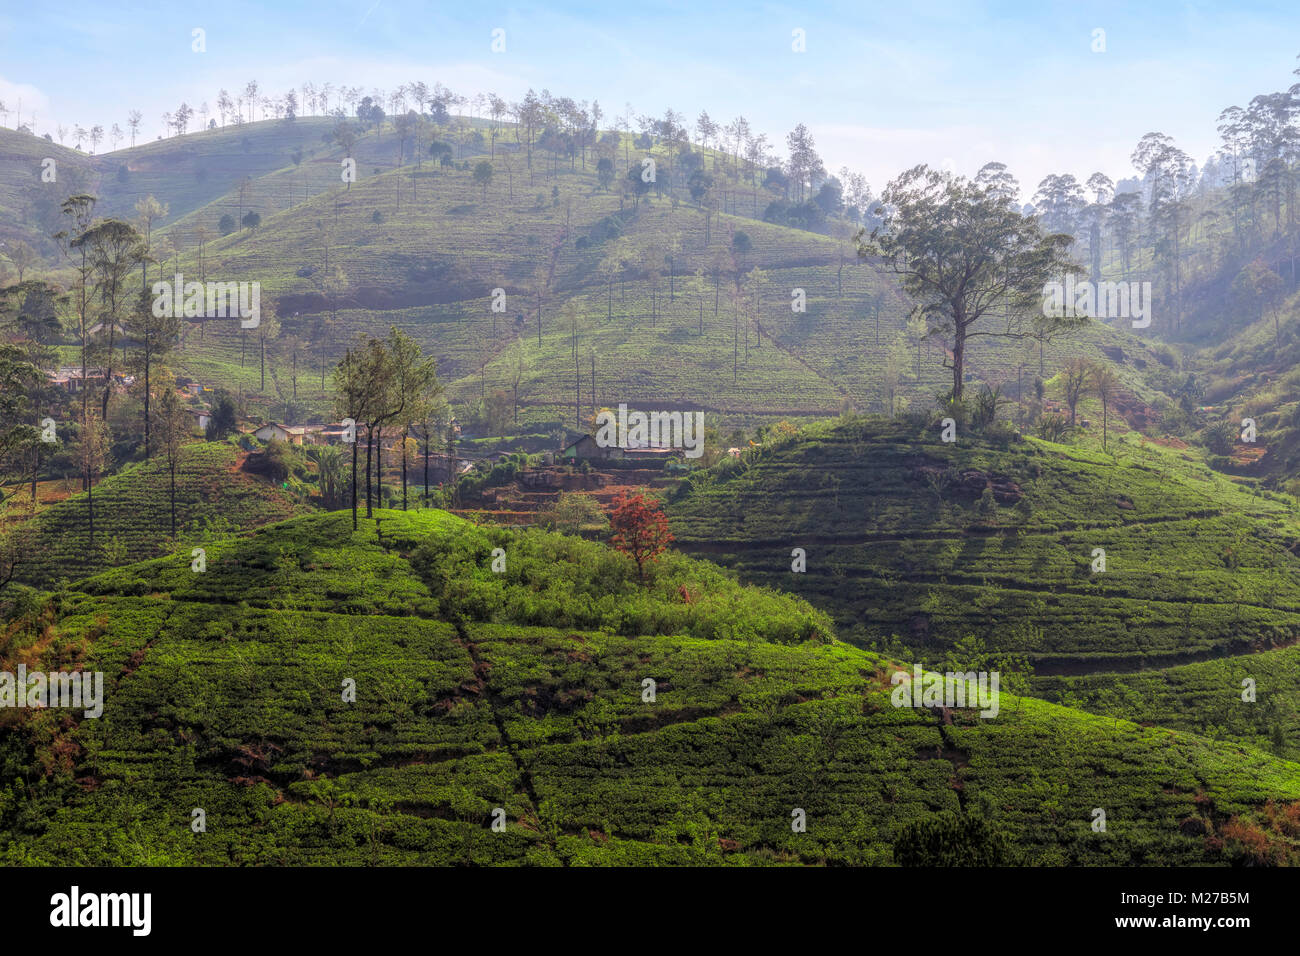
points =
(274, 431)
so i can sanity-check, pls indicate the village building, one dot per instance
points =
(99, 328)
(587, 448)
(68, 377)
(274, 431)
(333, 433)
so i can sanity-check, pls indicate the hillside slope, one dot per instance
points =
(901, 543)
(644, 303)
(224, 692)
(187, 173)
(133, 513)
(641, 301)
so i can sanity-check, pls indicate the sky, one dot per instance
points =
(881, 86)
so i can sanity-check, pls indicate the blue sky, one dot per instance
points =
(882, 86)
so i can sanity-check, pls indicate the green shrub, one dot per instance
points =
(951, 839)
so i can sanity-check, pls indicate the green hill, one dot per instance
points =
(649, 289)
(524, 691)
(188, 173)
(1205, 698)
(424, 248)
(29, 206)
(902, 541)
(214, 495)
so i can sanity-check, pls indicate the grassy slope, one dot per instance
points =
(1205, 697)
(805, 363)
(187, 173)
(1252, 373)
(21, 186)
(133, 513)
(441, 246)
(465, 704)
(1197, 567)
(1195, 564)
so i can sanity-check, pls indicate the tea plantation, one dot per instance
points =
(133, 513)
(520, 699)
(653, 291)
(905, 549)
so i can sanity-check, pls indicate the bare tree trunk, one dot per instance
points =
(370, 438)
(958, 364)
(148, 448)
(379, 468)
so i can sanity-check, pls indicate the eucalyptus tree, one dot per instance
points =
(115, 249)
(1096, 213)
(1059, 200)
(20, 379)
(173, 428)
(415, 379)
(1105, 385)
(805, 165)
(1170, 175)
(156, 335)
(997, 177)
(357, 387)
(80, 212)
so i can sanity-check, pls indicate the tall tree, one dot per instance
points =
(267, 329)
(1169, 174)
(518, 369)
(415, 378)
(156, 336)
(92, 456)
(1105, 385)
(1124, 215)
(173, 428)
(1095, 213)
(115, 250)
(971, 262)
(1076, 376)
(805, 166)
(23, 257)
(1058, 201)
(148, 210)
(250, 97)
(356, 389)
(997, 177)
(20, 380)
(79, 210)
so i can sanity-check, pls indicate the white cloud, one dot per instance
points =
(32, 99)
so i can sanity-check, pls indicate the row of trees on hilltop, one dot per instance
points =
(568, 130)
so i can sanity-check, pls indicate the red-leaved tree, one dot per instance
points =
(640, 529)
